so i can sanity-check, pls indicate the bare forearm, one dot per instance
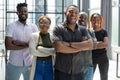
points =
(19, 43)
(62, 48)
(101, 45)
(67, 50)
(10, 44)
(14, 47)
(84, 45)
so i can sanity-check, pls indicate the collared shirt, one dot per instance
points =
(21, 32)
(69, 63)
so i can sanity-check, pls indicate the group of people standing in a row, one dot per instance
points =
(71, 52)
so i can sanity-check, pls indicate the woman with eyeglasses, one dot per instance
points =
(40, 47)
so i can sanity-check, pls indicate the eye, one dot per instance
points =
(44, 23)
(73, 11)
(70, 11)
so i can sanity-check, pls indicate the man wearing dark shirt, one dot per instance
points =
(67, 39)
(88, 66)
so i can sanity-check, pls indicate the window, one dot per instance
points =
(95, 6)
(115, 22)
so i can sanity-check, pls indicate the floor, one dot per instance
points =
(2, 69)
(112, 71)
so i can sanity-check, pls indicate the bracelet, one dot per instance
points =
(94, 44)
(70, 44)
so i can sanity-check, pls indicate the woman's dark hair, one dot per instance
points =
(19, 5)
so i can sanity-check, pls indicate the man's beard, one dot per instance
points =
(23, 19)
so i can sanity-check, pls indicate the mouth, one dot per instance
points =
(96, 24)
(73, 19)
(83, 22)
(23, 16)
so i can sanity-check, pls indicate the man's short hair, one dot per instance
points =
(84, 14)
(19, 5)
(70, 6)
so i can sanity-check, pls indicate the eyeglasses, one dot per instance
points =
(44, 23)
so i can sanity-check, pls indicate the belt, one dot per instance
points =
(44, 58)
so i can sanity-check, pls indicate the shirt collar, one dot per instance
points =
(65, 25)
(22, 23)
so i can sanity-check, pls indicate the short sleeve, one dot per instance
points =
(56, 34)
(9, 30)
(105, 33)
(35, 28)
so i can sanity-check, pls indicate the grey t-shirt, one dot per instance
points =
(88, 53)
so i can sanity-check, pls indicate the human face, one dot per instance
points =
(95, 22)
(72, 15)
(22, 14)
(82, 19)
(44, 25)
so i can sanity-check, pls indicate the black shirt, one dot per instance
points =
(100, 55)
(69, 63)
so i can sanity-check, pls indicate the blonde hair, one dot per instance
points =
(42, 17)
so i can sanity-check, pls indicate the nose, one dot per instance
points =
(73, 14)
(23, 12)
(83, 19)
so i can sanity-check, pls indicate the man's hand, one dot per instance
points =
(19, 43)
(11, 44)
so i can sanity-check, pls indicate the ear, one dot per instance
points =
(17, 13)
(65, 13)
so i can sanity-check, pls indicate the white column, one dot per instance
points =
(106, 11)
